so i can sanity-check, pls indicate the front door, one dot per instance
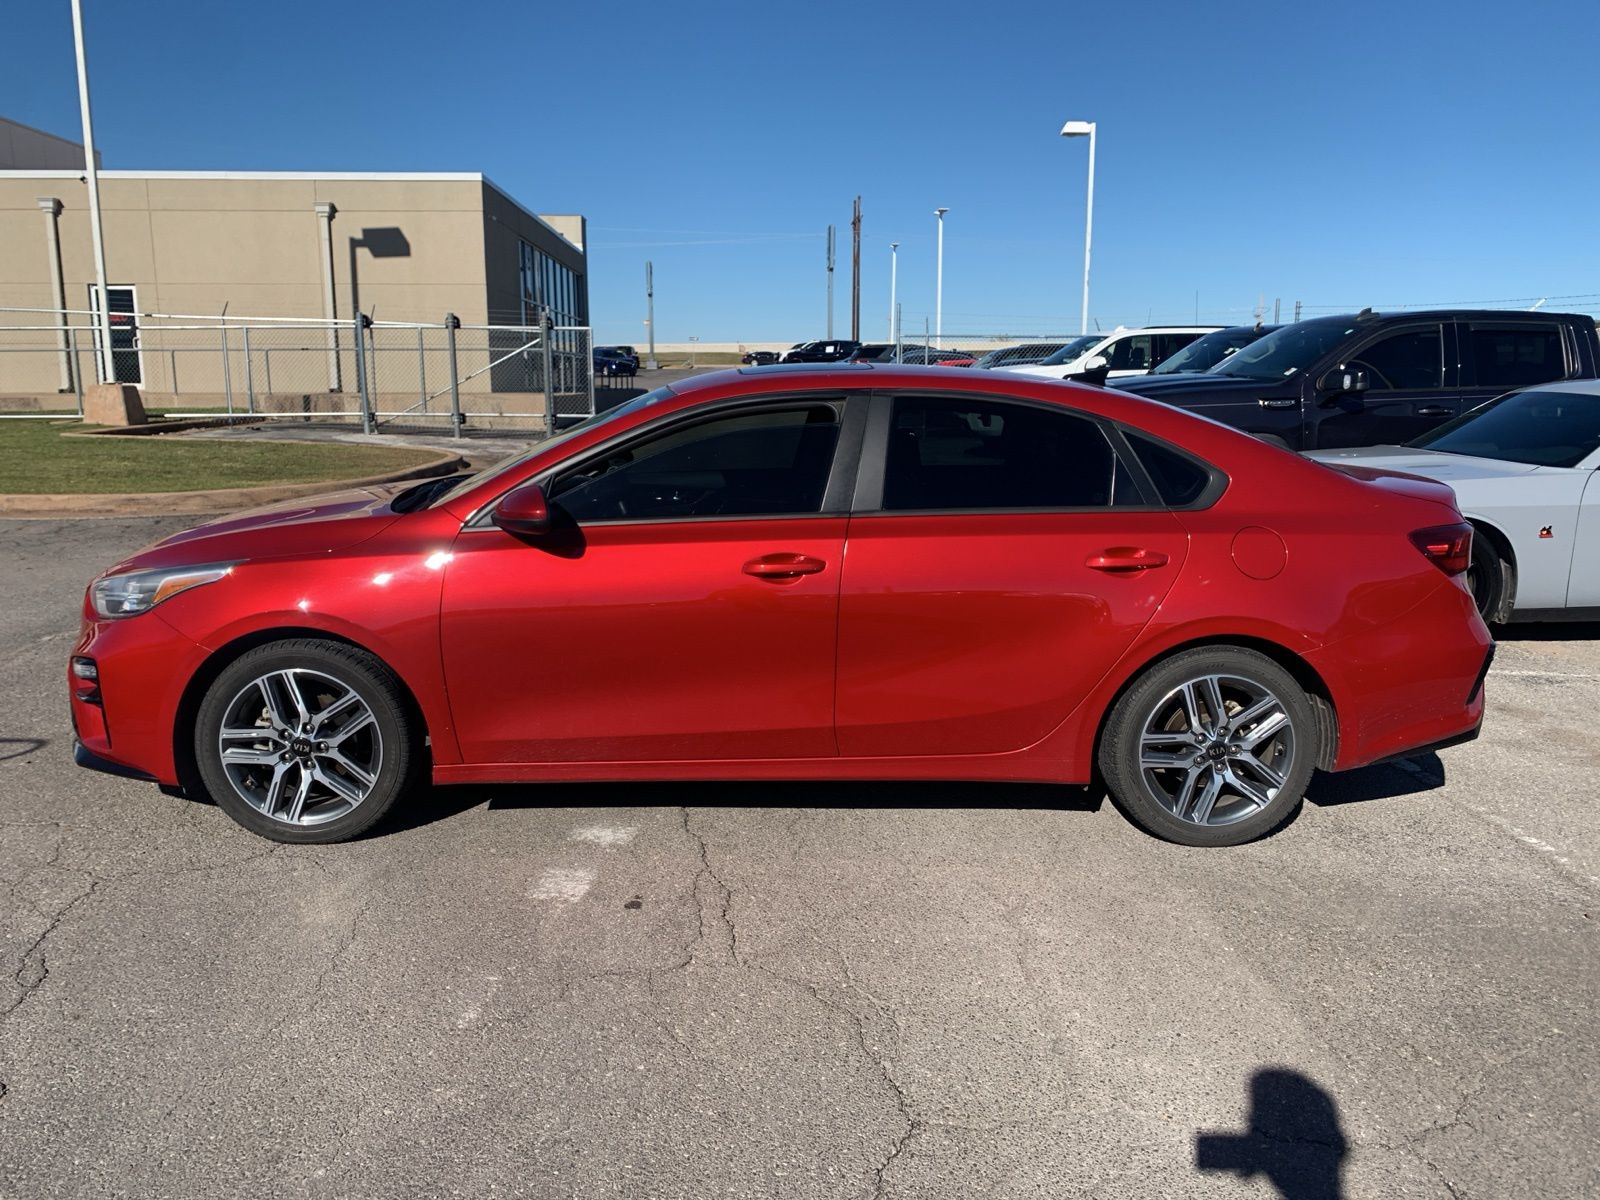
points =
(996, 573)
(688, 611)
(1411, 388)
(127, 365)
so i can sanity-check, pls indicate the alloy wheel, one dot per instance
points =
(300, 747)
(1217, 749)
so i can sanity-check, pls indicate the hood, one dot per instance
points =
(307, 525)
(1430, 464)
(1202, 387)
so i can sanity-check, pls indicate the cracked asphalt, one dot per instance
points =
(852, 990)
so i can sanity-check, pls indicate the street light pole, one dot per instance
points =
(894, 272)
(1085, 129)
(92, 174)
(650, 312)
(938, 286)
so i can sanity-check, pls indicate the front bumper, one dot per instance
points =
(144, 665)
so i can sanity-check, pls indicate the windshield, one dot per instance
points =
(1293, 348)
(1204, 353)
(1073, 349)
(516, 460)
(1539, 428)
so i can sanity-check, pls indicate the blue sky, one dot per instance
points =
(1342, 155)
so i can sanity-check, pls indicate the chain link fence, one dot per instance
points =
(445, 378)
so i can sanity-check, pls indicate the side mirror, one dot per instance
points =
(1097, 363)
(1341, 380)
(523, 510)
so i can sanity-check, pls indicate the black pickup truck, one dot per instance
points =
(1379, 378)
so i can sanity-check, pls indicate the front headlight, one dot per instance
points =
(139, 591)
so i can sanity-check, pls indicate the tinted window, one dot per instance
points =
(959, 454)
(1413, 358)
(1292, 348)
(1206, 352)
(1178, 478)
(1072, 350)
(1130, 353)
(1547, 429)
(771, 463)
(1515, 357)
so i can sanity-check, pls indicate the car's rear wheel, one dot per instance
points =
(1489, 578)
(1212, 747)
(305, 741)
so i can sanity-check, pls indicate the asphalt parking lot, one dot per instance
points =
(852, 990)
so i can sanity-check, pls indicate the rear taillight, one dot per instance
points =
(1448, 547)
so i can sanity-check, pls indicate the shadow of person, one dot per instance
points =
(1294, 1139)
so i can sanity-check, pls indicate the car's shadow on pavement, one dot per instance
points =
(1549, 631)
(1383, 781)
(445, 802)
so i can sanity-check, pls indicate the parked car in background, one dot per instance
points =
(874, 352)
(1206, 352)
(929, 356)
(628, 351)
(864, 572)
(1116, 355)
(821, 352)
(1526, 472)
(1379, 378)
(1017, 356)
(607, 361)
(760, 358)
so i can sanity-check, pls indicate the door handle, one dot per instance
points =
(1125, 558)
(779, 567)
(1433, 410)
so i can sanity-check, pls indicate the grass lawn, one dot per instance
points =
(36, 460)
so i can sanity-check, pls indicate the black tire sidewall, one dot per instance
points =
(1119, 747)
(348, 665)
(1487, 561)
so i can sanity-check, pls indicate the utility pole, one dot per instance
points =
(894, 271)
(650, 312)
(855, 273)
(1297, 311)
(830, 283)
(1277, 303)
(91, 172)
(938, 286)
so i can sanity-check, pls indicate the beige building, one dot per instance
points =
(264, 244)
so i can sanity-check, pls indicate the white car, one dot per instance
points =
(1526, 473)
(1120, 353)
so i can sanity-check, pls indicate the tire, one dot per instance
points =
(1153, 720)
(1490, 579)
(322, 742)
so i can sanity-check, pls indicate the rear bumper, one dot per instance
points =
(1415, 685)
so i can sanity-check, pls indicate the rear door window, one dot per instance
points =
(1510, 357)
(956, 454)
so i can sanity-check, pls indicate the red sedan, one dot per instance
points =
(805, 573)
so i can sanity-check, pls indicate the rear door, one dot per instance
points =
(1001, 558)
(1413, 386)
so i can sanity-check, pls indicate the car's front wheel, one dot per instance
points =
(304, 740)
(1212, 747)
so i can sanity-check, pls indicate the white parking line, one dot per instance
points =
(563, 884)
(608, 836)
(1544, 848)
(1542, 674)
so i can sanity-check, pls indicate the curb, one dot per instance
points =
(219, 500)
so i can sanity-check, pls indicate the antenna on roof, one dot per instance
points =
(1366, 314)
